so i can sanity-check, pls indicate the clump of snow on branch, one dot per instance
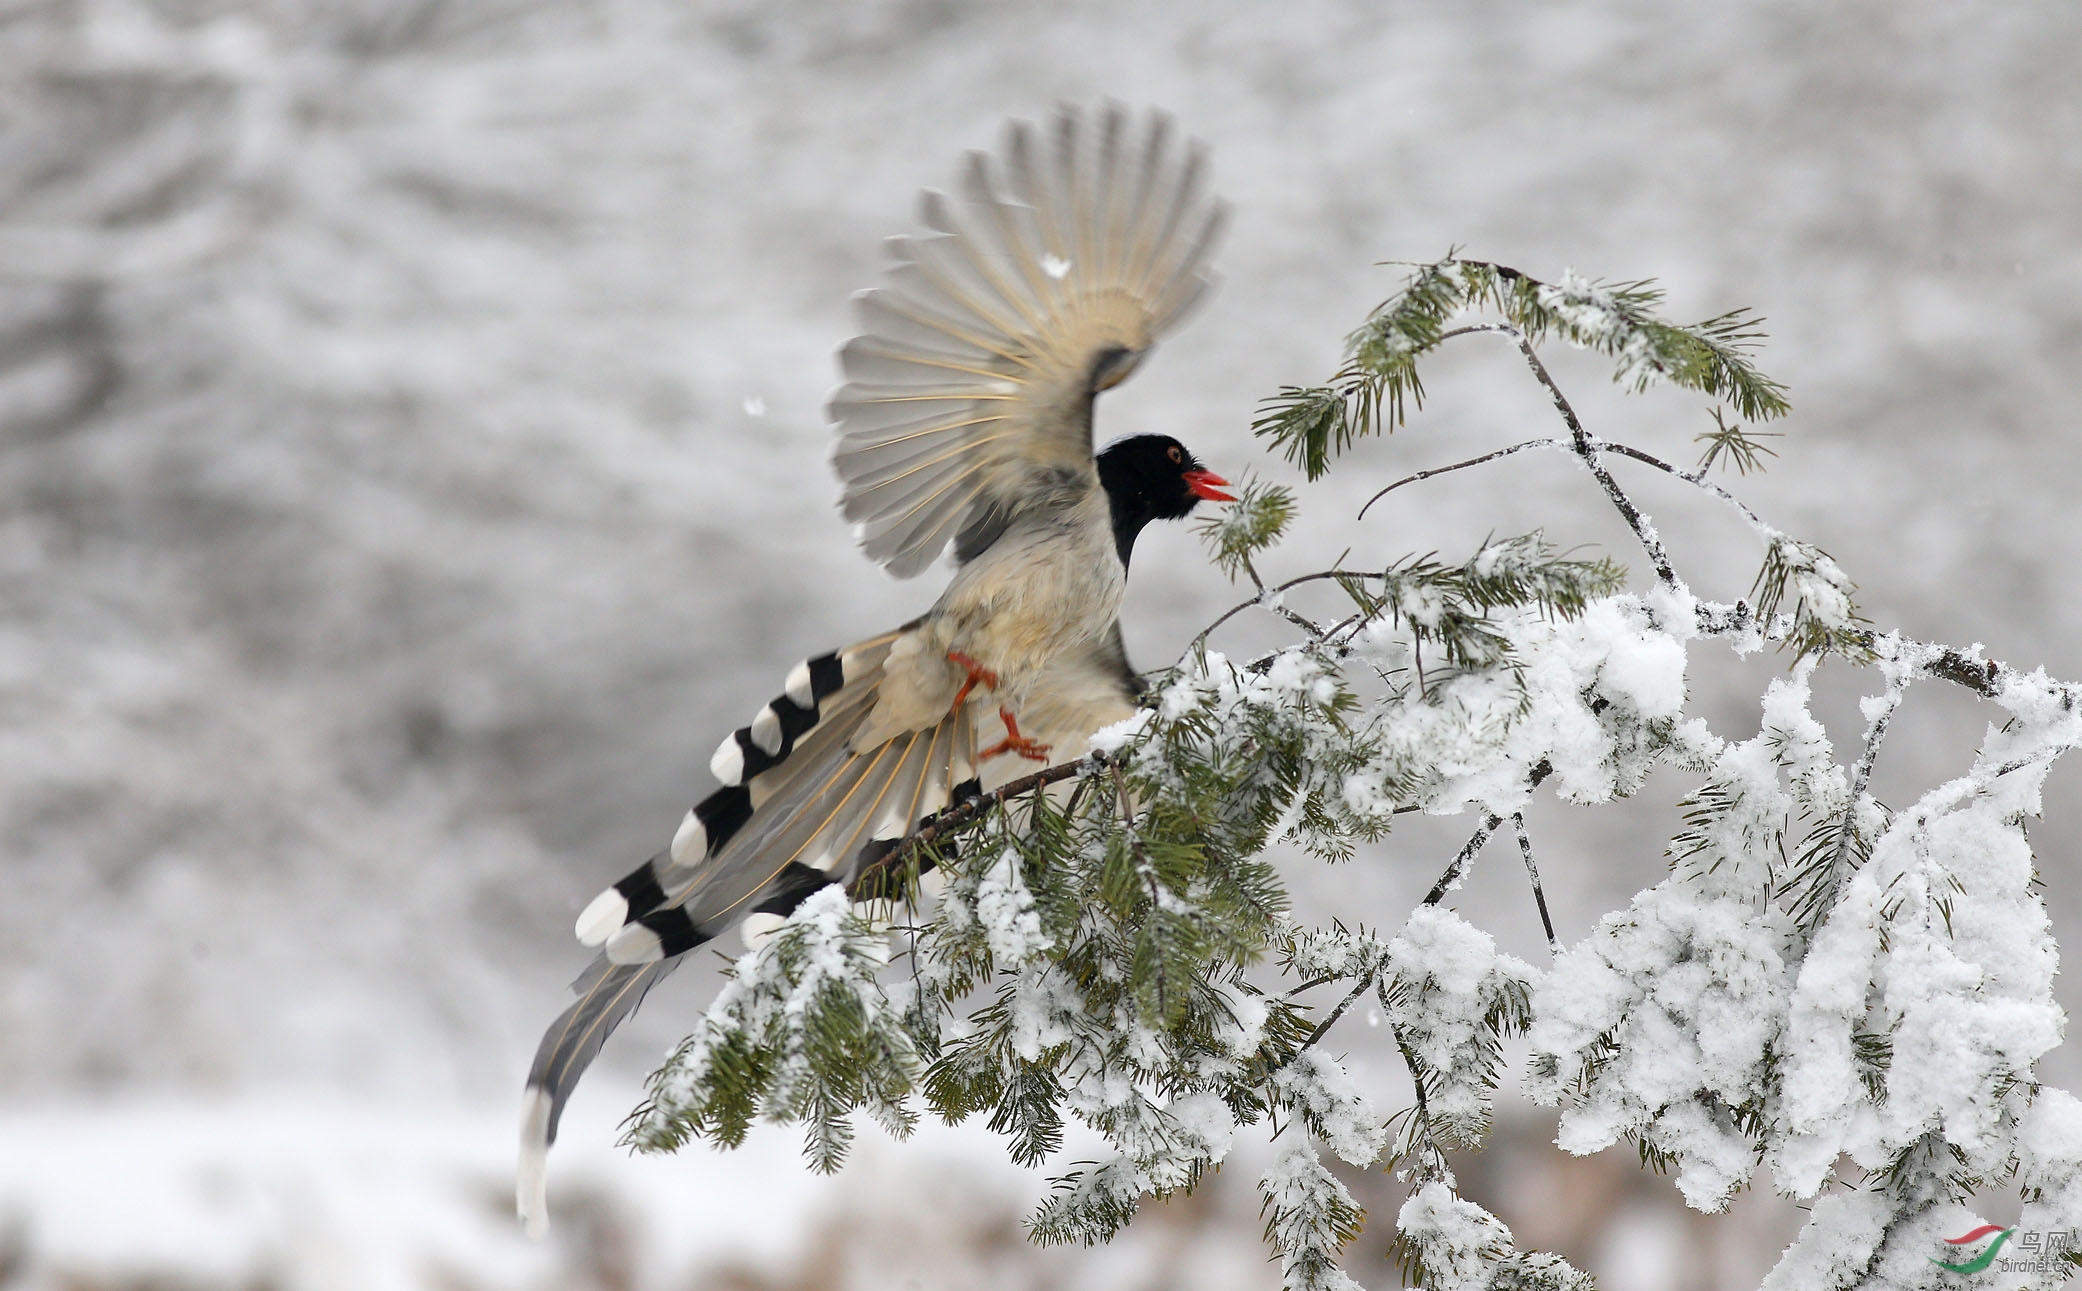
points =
(1324, 1094)
(1006, 909)
(1451, 995)
(1452, 1244)
(1309, 1215)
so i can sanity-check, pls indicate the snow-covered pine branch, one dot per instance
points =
(1840, 1001)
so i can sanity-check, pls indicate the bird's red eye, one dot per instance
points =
(1176, 454)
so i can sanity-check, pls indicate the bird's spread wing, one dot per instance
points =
(1049, 275)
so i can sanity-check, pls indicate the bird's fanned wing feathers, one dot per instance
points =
(1058, 265)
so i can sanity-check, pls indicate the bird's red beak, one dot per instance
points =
(1202, 485)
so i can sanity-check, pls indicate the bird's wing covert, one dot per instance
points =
(1055, 267)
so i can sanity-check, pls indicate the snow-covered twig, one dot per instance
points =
(1457, 871)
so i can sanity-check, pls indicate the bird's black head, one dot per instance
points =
(1153, 477)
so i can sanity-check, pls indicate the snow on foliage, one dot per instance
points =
(1450, 993)
(1324, 1095)
(1006, 910)
(1452, 1244)
(1821, 987)
(1309, 1215)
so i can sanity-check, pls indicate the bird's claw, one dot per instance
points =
(1029, 749)
(1014, 742)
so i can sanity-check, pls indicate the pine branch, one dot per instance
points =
(886, 878)
(1379, 381)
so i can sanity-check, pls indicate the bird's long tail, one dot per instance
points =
(607, 993)
(799, 809)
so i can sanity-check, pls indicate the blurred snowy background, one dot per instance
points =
(411, 462)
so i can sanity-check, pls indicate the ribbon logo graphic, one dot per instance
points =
(1985, 1258)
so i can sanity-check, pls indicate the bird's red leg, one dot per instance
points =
(1014, 742)
(978, 676)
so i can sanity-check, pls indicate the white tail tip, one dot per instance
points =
(766, 730)
(798, 686)
(759, 926)
(602, 915)
(531, 1180)
(690, 841)
(727, 764)
(634, 944)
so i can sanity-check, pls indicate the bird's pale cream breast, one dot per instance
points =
(1052, 583)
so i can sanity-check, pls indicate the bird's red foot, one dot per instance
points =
(1014, 742)
(978, 676)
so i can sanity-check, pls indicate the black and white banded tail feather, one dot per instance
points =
(1053, 271)
(607, 993)
(799, 808)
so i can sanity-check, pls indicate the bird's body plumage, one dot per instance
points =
(965, 421)
(1049, 586)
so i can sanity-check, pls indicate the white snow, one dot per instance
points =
(1350, 1126)
(1011, 925)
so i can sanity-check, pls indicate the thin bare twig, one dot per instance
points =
(1331, 1020)
(1699, 478)
(1310, 985)
(1587, 447)
(1473, 328)
(1264, 592)
(1314, 630)
(1458, 466)
(1532, 871)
